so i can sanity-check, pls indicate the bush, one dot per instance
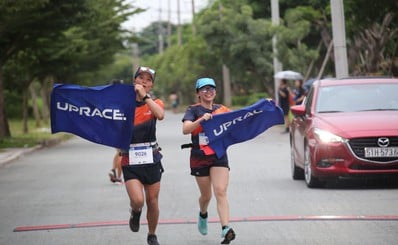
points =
(253, 98)
(245, 100)
(240, 100)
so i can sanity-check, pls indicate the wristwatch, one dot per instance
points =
(147, 96)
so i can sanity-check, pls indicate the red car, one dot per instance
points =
(345, 128)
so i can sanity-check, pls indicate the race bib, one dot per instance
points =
(140, 155)
(203, 139)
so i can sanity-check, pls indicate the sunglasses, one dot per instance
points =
(146, 69)
(207, 89)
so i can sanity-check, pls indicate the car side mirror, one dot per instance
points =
(298, 110)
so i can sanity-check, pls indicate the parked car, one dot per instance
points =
(345, 128)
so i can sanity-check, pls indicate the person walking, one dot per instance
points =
(173, 99)
(284, 102)
(211, 173)
(141, 164)
(298, 92)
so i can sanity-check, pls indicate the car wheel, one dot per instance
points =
(310, 180)
(297, 173)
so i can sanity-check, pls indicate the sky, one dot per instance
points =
(158, 10)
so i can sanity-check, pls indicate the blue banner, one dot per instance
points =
(241, 125)
(102, 114)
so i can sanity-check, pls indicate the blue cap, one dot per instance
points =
(201, 82)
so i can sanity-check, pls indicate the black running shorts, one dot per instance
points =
(205, 170)
(147, 174)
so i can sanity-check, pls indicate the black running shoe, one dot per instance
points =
(227, 235)
(152, 239)
(134, 221)
(112, 175)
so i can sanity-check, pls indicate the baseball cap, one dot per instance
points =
(148, 70)
(201, 82)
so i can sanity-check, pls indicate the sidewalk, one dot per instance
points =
(10, 154)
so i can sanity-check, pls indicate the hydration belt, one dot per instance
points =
(153, 144)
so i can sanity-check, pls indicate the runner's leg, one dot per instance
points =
(220, 179)
(136, 194)
(152, 202)
(204, 185)
(118, 164)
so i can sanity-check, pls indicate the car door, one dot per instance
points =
(301, 124)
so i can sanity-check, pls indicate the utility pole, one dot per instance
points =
(160, 29)
(277, 64)
(169, 24)
(179, 24)
(136, 56)
(193, 18)
(225, 72)
(339, 40)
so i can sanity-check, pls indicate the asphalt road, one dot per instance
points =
(62, 195)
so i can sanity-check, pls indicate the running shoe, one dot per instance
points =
(202, 225)
(227, 235)
(112, 175)
(152, 239)
(134, 221)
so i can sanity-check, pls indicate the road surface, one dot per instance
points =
(62, 195)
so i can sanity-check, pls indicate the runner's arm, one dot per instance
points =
(189, 126)
(155, 108)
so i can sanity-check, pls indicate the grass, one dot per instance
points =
(34, 137)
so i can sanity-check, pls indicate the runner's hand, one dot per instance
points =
(140, 90)
(207, 116)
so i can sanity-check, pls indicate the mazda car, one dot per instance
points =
(345, 128)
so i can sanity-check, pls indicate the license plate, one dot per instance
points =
(371, 152)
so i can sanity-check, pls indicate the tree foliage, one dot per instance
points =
(65, 40)
(239, 34)
(23, 25)
(79, 41)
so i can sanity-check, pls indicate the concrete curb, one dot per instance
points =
(14, 153)
(11, 154)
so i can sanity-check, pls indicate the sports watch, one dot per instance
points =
(147, 96)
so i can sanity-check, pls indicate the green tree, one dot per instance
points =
(294, 51)
(179, 67)
(23, 24)
(71, 48)
(239, 34)
(148, 38)
(92, 44)
(241, 42)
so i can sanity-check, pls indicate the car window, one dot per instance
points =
(359, 97)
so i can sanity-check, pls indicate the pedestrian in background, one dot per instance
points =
(284, 97)
(299, 92)
(173, 99)
(141, 164)
(211, 173)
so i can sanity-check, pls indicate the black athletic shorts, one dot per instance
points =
(147, 174)
(205, 170)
